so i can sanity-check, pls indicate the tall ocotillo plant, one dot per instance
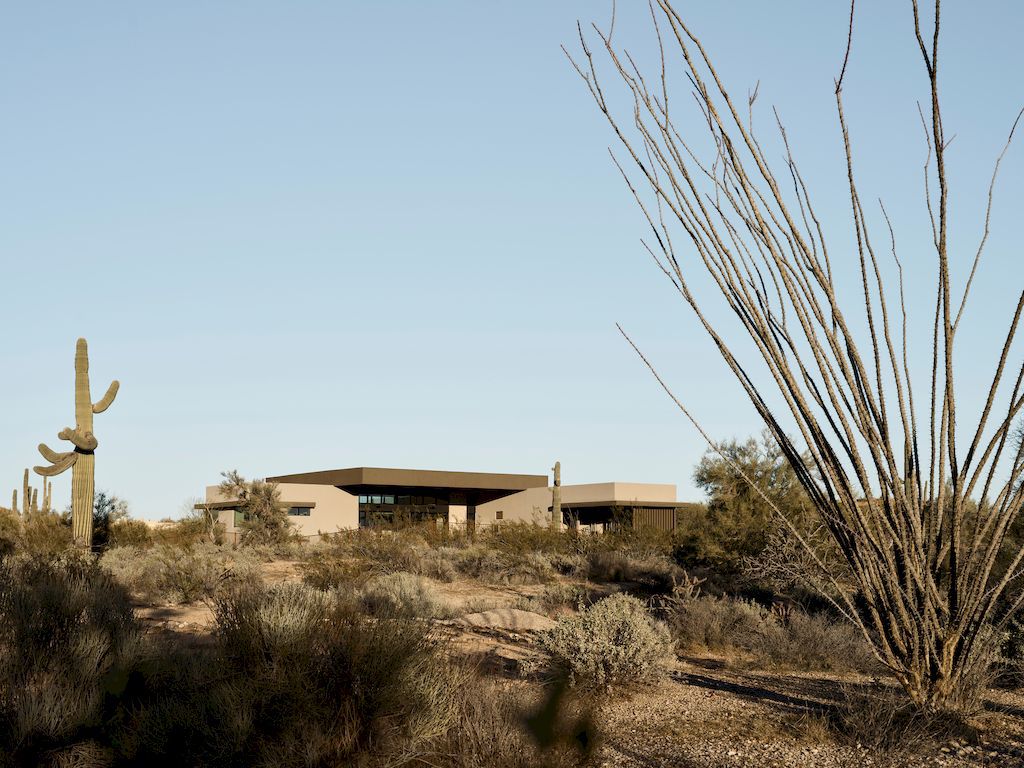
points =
(920, 501)
(82, 459)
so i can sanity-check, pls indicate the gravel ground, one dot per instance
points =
(721, 719)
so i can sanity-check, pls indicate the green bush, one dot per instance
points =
(613, 642)
(68, 643)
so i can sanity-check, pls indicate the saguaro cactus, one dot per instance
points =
(82, 459)
(556, 496)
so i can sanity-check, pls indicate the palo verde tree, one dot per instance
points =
(264, 516)
(918, 499)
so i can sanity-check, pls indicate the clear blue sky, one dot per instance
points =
(308, 235)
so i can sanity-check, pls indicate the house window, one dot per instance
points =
(499, 515)
(299, 511)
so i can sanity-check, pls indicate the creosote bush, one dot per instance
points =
(613, 642)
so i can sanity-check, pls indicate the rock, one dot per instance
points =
(508, 619)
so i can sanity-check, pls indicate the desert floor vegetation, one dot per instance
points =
(397, 647)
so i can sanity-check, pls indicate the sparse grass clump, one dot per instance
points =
(615, 641)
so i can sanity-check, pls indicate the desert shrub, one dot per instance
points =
(497, 567)
(556, 597)
(325, 570)
(883, 718)
(499, 728)
(138, 571)
(130, 533)
(609, 566)
(789, 639)
(525, 538)
(182, 574)
(265, 516)
(68, 641)
(10, 532)
(811, 642)
(715, 623)
(567, 564)
(401, 594)
(323, 683)
(383, 551)
(638, 543)
(45, 535)
(186, 532)
(438, 563)
(615, 641)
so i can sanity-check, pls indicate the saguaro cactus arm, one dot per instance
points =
(104, 402)
(58, 466)
(51, 455)
(86, 441)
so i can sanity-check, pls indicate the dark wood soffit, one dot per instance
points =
(235, 503)
(415, 478)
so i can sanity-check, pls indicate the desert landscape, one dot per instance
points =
(375, 265)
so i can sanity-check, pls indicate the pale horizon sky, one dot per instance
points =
(311, 235)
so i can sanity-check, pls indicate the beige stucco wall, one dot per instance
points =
(623, 492)
(531, 506)
(527, 506)
(335, 509)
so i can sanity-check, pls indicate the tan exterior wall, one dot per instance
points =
(529, 506)
(622, 492)
(335, 509)
(338, 510)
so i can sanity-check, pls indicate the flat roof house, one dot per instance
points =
(357, 497)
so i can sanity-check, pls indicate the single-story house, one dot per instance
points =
(357, 497)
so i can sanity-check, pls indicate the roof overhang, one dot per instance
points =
(369, 477)
(218, 505)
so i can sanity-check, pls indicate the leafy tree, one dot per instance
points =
(737, 522)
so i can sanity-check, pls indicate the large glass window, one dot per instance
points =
(299, 511)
